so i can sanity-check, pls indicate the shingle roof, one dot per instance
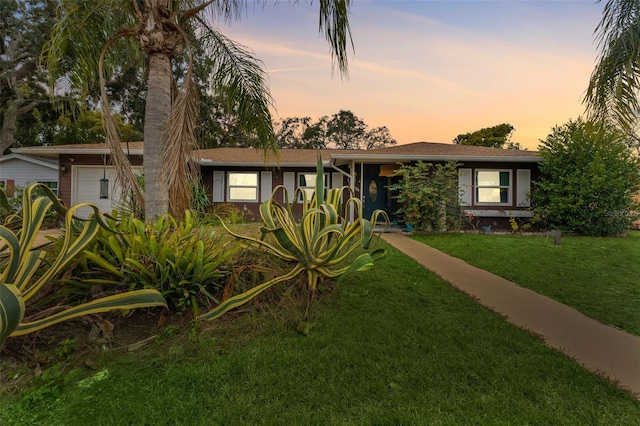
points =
(428, 151)
(433, 148)
(291, 157)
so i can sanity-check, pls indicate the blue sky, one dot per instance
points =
(430, 70)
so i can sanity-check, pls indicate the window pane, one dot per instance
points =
(243, 179)
(488, 178)
(504, 178)
(239, 193)
(504, 195)
(309, 192)
(489, 195)
(307, 179)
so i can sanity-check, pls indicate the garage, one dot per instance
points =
(86, 187)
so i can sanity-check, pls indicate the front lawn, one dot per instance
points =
(394, 345)
(600, 277)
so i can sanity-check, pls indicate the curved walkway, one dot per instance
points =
(602, 349)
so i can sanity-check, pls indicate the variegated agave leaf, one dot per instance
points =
(21, 261)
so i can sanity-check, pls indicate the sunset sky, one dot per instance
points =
(430, 70)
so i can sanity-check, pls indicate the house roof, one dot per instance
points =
(52, 151)
(432, 151)
(425, 151)
(252, 156)
(44, 162)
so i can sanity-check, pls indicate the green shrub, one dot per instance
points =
(429, 196)
(182, 261)
(589, 179)
(22, 274)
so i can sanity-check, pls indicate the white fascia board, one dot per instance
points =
(46, 150)
(44, 163)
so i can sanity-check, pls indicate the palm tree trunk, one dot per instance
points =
(158, 107)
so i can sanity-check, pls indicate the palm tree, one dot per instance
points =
(614, 84)
(108, 35)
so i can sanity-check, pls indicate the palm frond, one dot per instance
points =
(179, 168)
(334, 23)
(238, 75)
(125, 175)
(612, 94)
(81, 31)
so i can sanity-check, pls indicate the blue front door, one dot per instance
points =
(374, 194)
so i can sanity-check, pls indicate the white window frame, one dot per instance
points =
(230, 187)
(509, 187)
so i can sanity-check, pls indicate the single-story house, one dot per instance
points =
(18, 170)
(494, 183)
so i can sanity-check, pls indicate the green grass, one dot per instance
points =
(391, 346)
(600, 277)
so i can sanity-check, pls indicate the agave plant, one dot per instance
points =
(20, 260)
(320, 243)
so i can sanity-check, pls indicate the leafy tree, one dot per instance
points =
(589, 180)
(343, 130)
(316, 135)
(429, 195)
(612, 94)
(290, 133)
(346, 131)
(87, 127)
(380, 137)
(494, 137)
(24, 28)
(108, 34)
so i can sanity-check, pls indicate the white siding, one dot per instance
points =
(465, 186)
(523, 187)
(266, 185)
(24, 172)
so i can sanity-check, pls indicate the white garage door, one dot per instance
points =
(86, 187)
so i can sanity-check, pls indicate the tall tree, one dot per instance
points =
(24, 28)
(346, 131)
(109, 33)
(612, 94)
(290, 133)
(380, 137)
(495, 137)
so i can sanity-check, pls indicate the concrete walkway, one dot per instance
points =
(602, 349)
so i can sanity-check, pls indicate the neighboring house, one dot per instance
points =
(494, 183)
(17, 170)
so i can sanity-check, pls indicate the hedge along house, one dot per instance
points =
(494, 183)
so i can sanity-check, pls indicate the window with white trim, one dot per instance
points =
(493, 187)
(307, 182)
(243, 186)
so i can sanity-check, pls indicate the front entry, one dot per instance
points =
(374, 194)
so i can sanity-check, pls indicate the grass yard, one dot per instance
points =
(391, 346)
(600, 277)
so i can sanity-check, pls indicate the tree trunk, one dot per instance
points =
(158, 108)
(8, 131)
